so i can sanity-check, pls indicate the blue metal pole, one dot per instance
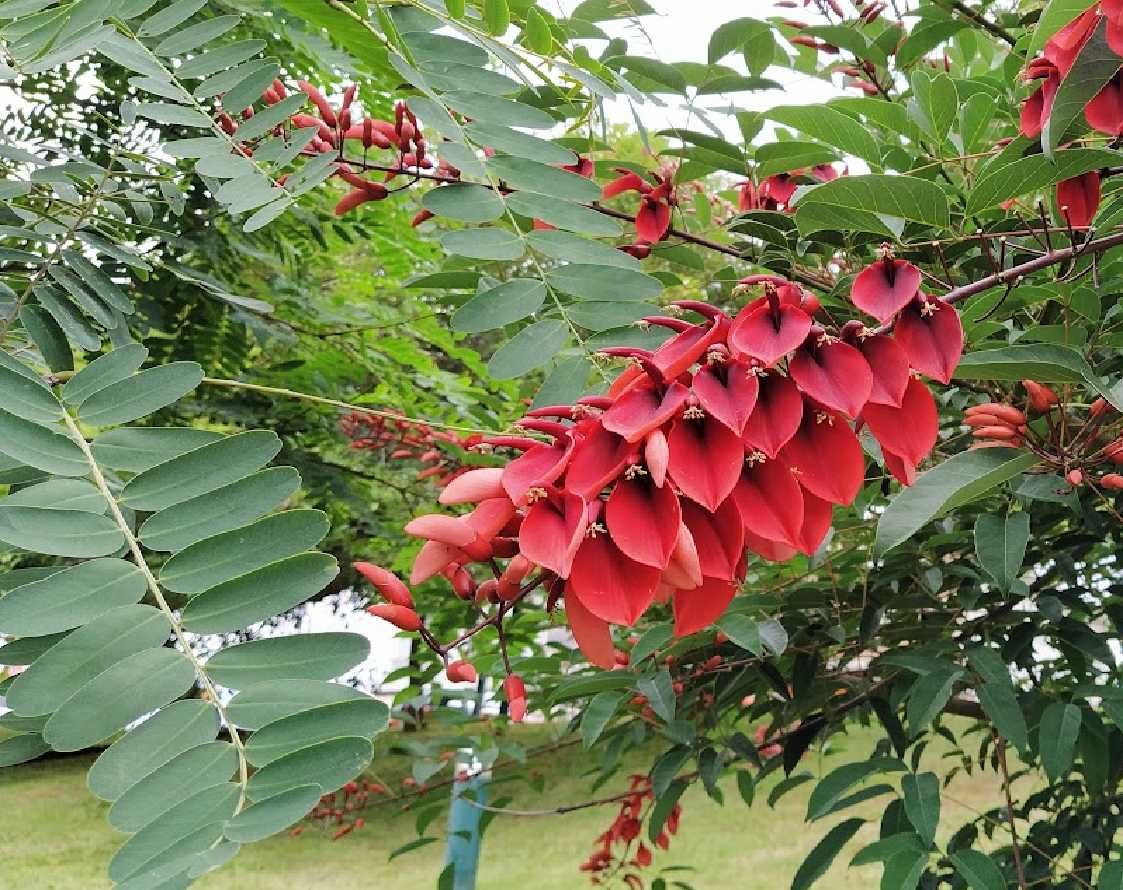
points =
(464, 825)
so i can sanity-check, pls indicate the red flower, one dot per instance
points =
(832, 372)
(1105, 111)
(931, 335)
(1078, 198)
(1036, 109)
(769, 329)
(910, 430)
(776, 417)
(822, 433)
(884, 287)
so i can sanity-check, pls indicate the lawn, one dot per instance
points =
(56, 836)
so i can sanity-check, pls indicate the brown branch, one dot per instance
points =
(1000, 748)
(997, 30)
(554, 811)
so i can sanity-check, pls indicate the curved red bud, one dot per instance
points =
(834, 374)
(461, 672)
(884, 287)
(1041, 397)
(776, 416)
(322, 104)
(386, 583)
(399, 616)
(909, 431)
(1078, 198)
(683, 350)
(719, 537)
(644, 408)
(514, 690)
(697, 609)
(431, 560)
(643, 520)
(931, 335)
(474, 486)
(890, 367)
(656, 455)
(727, 391)
(509, 583)
(705, 459)
(628, 181)
(592, 634)
(597, 459)
(553, 530)
(441, 527)
(684, 571)
(826, 456)
(770, 501)
(769, 334)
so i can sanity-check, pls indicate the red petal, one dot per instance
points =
(656, 455)
(835, 374)
(441, 527)
(432, 558)
(628, 182)
(890, 367)
(474, 486)
(770, 501)
(683, 350)
(817, 515)
(593, 635)
(684, 571)
(902, 470)
(705, 459)
(652, 220)
(699, 608)
(884, 287)
(1105, 111)
(1078, 198)
(597, 459)
(931, 337)
(755, 332)
(643, 408)
(774, 420)
(827, 457)
(909, 431)
(719, 538)
(552, 531)
(609, 584)
(644, 520)
(490, 516)
(727, 391)
(773, 551)
(541, 465)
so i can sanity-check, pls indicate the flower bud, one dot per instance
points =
(461, 672)
(399, 616)
(1074, 477)
(515, 691)
(386, 583)
(1112, 482)
(1041, 398)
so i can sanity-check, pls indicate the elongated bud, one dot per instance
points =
(399, 616)
(461, 672)
(485, 593)
(1041, 397)
(995, 432)
(1112, 482)
(515, 691)
(1006, 413)
(512, 578)
(462, 583)
(981, 420)
(386, 583)
(1100, 407)
(321, 103)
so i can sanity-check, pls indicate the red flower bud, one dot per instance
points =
(461, 672)
(399, 616)
(1074, 477)
(1112, 482)
(515, 691)
(386, 583)
(1041, 398)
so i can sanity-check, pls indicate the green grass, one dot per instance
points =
(56, 836)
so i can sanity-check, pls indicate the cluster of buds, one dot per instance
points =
(732, 438)
(336, 812)
(1080, 443)
(405, 439)
(776, 192)
(620, 848)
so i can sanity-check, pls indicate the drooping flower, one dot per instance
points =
(1078, 198)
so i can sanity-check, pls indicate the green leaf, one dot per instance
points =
(937, 101)
(604, 282)
(483, 244)
(113, 367)
(820, 858)
(211, 763)
(191, 826)
(538, 35)
(1043, 362)
(47, 337)
(499, 306)
(928, 696)
(660, 694)
(83, 334)
(497, 17)
(1036, 172)
(514, 142)
(220, 558)
(27, 649)
(835, 785)
(265, 120)
(660, 73)
(922, 804)
(1111, 876)
(741, 630)
(61, 494)
(958, 480)
(902, 197)
(330, 765)
(903, 871)
(71, 597)
(138, 449)
(496, 111)
(171, 731)
(173, 115)
(314, 656)
(261, 594)
(605, 316)
(662, 809)
(362, 717)
(276, 699)
(250, 80)
(597, 715)
(530, 348)
(1001, 706)
(1055, 16)
(563, 214)
(100, 283)
(22, 748)
(978, 870)
(120, 694)
(1056, 738)
(59, 532)
(169, 17)
(773, 635)
(28, 399)
(273, 814)
(199, 470)
(141, 394)
(887, 847)
(1094, 67)
(44, 449)
(532, 176)
(781, 157)
(1000, 545)
(830, 126)
(464, 201)
(221, 510)
(225, 56)
(574, 249)
(731, 36)
(923, 39)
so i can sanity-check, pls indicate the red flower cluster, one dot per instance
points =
(1105, 111)
(775, 192)
(653, 218)
(702, 451)
(336, 811)
(405, 439)
(620, 846)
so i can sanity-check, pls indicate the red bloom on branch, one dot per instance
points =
(884, 287)
(1078, 199)
(653, 217)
